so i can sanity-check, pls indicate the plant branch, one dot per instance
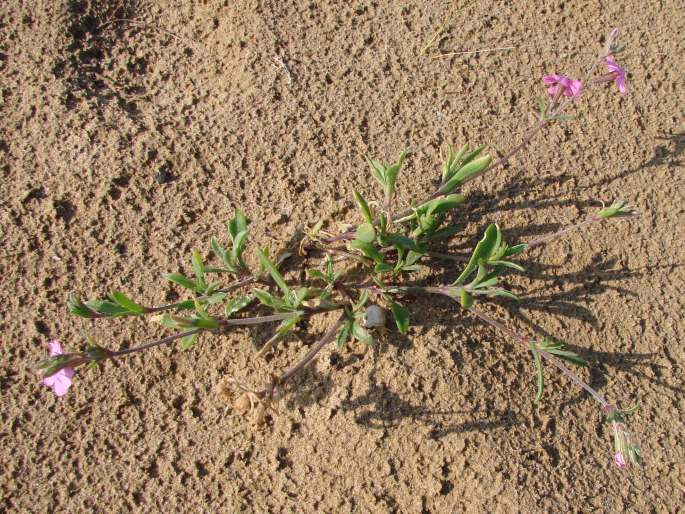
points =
(556, 235)
(526, 341)
(153, 344)
(296, 368)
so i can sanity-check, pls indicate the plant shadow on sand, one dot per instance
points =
(389, 409)
(670, 154)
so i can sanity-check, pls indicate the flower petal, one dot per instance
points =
(61, 385)
(55, 348)
(576, 87)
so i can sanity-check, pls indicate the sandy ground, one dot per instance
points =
(93, 109)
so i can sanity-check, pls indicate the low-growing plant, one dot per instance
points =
(387, 249)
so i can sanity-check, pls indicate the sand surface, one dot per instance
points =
(99, 100)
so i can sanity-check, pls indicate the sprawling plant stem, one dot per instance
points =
(526, 341)
(273, 388)
(224, 323)
(252, 279)
(153, 344)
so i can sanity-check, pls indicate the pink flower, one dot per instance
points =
(566, 85)
(620, 461)
(61, 381)
(619, 73)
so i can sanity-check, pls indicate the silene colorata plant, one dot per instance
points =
(386, 247)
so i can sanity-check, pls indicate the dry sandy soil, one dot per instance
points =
(100, 100)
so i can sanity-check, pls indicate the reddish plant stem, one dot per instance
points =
(272, 389)
(153, 344)
(223, 322)
(526, 341)
(556, 235)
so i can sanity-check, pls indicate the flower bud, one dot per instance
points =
(51, 365)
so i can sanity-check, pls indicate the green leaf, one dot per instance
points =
(444, 204)
(401, 316)
(450, 166)
(237, 304)
(239, 244)
(207, 323)
(287, 325)
(198, 266)
(127, 303)
(219, 251)
(561, 117)
(182, 281)
(515, 250)
(470, 157)
(264, 297)
(507, 264)
(200, 309)
(485, 283)
(403, 242)
(618, 208)
(363, 207)
(299, 296)
(188, 341)
(466, 172)
(237, 224)
(391, 174)
(214, 298)
(275, 274)
(107, 308)
(383, 267)
(362, 335)
(78, 308)
(558, 348)
(344, 334)
(482, 251)
(168, 322)
(366, 233)
(377, 170)
(367, 249)
(499, 292)
(443, 233)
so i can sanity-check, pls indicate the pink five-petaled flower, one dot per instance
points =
(620, 461)
(619, 73)
(562, 85)
(61, 381)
